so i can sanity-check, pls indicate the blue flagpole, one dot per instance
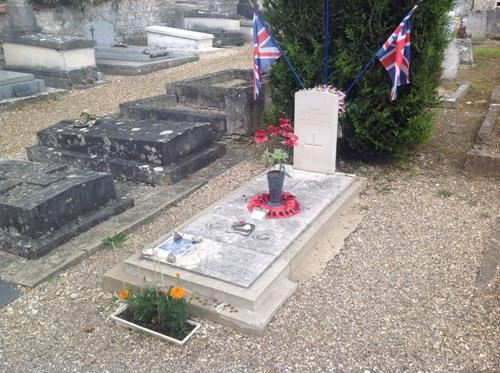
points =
(327, 39)
(299, 80)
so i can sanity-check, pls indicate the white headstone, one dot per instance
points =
(316, 121)
(101, 31)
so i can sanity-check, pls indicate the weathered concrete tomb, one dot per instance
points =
(17, 85)
(43, 206)
(148, 151)
(224, 99)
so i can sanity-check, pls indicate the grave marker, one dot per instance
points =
(316, 122)
(100, 31)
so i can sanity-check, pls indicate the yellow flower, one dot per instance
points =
(177, 293)
(122, 295)
(177, 274)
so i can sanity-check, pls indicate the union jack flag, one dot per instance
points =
(395, 54)
(265, 52)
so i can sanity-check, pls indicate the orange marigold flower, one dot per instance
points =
(122, 295)
(177, 293)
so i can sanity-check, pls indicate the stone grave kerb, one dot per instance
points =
(316, 125)
(20, 17)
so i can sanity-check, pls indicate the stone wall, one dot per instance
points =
(485, 4)
(129, 17)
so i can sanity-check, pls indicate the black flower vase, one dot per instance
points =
(275, 180)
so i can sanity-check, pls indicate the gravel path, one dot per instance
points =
(399, 297)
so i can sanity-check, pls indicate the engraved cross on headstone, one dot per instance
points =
(92, 29)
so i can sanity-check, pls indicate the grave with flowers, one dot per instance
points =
(238, 257)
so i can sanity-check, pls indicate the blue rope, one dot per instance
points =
(327, 39)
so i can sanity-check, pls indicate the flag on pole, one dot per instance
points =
(265, 52)
(395, 54)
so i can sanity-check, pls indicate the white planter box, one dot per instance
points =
(116, 317)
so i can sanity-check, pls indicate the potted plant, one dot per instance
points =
(163, 315)
(280, 140)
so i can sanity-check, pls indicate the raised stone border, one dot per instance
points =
(480, 160)
(247, 309)
(230, 91)
(495, 96)
(451, 102)
(165, 107)
(491, 259)
(117, 67)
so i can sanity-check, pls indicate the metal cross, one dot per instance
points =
(92, 29)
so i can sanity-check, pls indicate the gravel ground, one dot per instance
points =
(399, 297)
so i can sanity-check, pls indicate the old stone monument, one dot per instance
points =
(316, 123)
(121, 59)
(43, 206)
(20, 17)
(62, 61)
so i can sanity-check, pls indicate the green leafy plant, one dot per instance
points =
(166, 312)
(280, 140)
(372, 125)
(115, 242)
(444, 193)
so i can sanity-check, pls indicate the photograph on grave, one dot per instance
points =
(240, 268)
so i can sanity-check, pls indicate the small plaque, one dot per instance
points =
(175, 245)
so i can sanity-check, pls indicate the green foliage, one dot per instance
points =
(115, 242)
(152, 307)
(372, 126)
(277, 156)
(487, 52)
(444, 193)
(78, 4)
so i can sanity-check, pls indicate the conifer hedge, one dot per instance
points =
(373, 126)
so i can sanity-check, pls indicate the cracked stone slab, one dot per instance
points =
(42, 206)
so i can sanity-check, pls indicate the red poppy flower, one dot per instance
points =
(260, 137)
(282, 121)
(291, 140)
(272, 130)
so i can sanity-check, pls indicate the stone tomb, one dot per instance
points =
(224, 28)
(16, 85)
(149, 151)
(224, 99)
(242, 281)
(316, 123)
(130, 59)
(43, 206)
(176, 39)
(61, 61)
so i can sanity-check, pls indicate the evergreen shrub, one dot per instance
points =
(373, 126)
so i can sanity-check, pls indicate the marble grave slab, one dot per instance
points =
(228, 256)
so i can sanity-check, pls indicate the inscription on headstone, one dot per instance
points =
(316, 121)
(100, 31)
